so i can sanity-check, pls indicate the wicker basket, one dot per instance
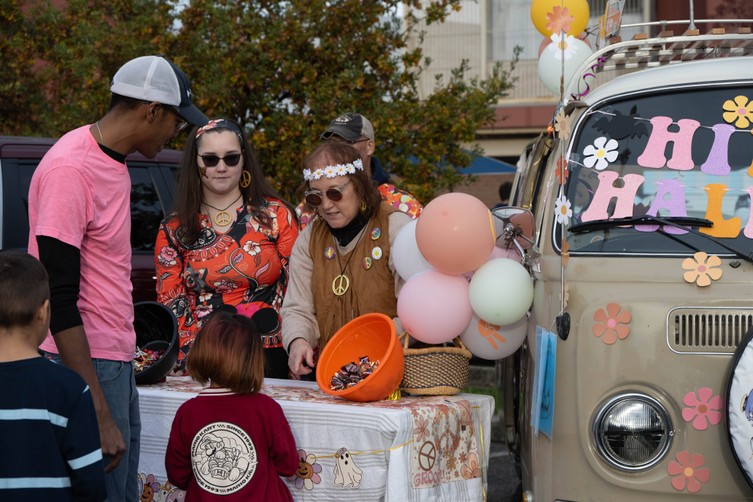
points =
(437, 370)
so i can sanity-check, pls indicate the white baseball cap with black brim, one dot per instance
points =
(154, 78)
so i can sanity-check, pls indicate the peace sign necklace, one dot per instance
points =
(341, 283)
(223, 218)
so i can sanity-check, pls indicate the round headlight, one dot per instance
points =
(632, 431)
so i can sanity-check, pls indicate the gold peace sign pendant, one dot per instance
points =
(340, 284)
(222, 218)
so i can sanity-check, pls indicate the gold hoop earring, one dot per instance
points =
(363, 207)
(245, 179)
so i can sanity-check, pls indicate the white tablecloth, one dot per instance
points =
(414, 449)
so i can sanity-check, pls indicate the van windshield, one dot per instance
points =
(684, 156)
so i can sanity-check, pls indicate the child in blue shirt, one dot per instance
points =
(49, 435)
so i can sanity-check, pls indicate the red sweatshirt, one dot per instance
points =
(231, 446)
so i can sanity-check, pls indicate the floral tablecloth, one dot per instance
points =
(413, 449)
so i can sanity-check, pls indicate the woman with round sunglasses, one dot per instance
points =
(228, 243)
(341, 266)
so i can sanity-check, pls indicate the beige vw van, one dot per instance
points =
(641, 250)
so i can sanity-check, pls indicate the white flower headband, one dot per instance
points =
(333, 171)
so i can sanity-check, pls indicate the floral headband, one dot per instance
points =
(219, 124)
(333, 171)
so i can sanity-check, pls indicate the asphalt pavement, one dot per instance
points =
(503, 483)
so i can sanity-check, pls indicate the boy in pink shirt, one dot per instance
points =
(79, 221)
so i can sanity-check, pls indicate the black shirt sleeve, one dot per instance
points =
(63, 264)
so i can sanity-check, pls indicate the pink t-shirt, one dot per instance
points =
(81, 196)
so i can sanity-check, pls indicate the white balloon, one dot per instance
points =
(550, 62)
(498, 252)
(405, 254)
(501, 291)
(491, 342)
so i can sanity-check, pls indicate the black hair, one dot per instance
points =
(188, 198)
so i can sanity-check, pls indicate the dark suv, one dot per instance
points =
(152, 182)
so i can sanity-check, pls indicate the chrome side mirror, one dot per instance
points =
(513, 227)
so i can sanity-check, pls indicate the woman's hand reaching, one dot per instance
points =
(300, 357)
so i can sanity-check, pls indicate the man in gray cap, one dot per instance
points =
(357, 131)
(80, 223)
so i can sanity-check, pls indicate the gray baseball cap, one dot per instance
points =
(351, 126)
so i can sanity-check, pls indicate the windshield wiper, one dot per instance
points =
(673, 221)
(682, 222)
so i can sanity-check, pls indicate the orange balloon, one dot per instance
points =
(455, 233)
(554, 16)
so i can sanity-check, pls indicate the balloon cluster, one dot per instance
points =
(564, 47)
(458, 282)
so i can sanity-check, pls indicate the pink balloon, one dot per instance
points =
(499, 252)
(434, 307)
(455, 233)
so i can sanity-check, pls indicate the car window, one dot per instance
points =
(16, 178)
(679, 153)
(146, 208)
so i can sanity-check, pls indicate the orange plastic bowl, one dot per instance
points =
(371, 335)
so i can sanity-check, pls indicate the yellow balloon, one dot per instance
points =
(553, 16)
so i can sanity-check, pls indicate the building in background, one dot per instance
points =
(487, 31)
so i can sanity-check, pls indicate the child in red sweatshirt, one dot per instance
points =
(230, 441)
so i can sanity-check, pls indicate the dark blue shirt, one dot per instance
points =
(49, 436)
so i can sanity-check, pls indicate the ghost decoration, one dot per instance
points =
(347, 474)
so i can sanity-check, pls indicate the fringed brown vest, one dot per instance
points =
(372, 285)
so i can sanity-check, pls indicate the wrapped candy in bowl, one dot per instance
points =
(363, 361)
(157, 342)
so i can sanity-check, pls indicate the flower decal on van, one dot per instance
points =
(559, 19)
(702, 269)
(702, 409)
(561, 172)
(563, 124)
(601, 153)
(611, 323)
(565, 46)
(563, 210)
(687, 473)
(739, 111)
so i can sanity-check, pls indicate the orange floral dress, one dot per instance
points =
(244, 270)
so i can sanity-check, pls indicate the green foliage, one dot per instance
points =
(21, 85)
(65, 57)
(283, 69)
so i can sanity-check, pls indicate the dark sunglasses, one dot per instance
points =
(211, 160)
(315, 197)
